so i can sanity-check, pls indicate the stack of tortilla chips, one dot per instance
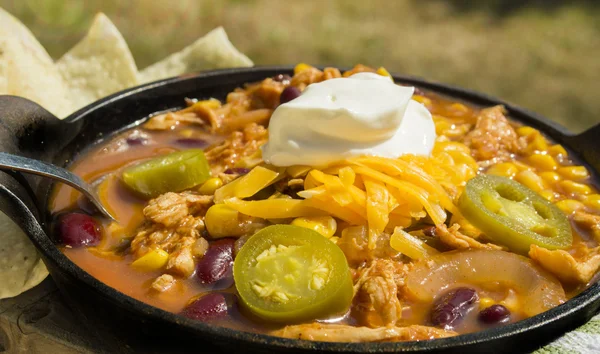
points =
(100, 64)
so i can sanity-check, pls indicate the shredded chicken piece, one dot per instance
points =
(163, 283)
(181, 261)
(331, 73)
(266, 94)
(237, 146)
(354, 244)
(376, 291)
(452, 237)
(346, 333)
(588, 221)
(171, 208)
(174, 220)
(199, 247)
(307, 77)
(493, 139)
(565, 266)
(359, 68)
(170, 120)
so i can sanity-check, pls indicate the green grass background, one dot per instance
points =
(541, 54)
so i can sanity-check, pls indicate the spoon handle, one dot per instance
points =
(40, 168)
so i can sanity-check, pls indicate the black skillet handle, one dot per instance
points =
(588, 145)
(29, 130)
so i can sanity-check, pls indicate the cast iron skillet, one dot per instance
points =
(128, 325)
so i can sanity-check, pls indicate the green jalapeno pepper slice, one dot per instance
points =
(514, 215)
(174, 172)
(287, 273)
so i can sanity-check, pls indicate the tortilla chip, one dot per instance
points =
(100, 64)
(213, 51)
(20, 265)
(27, 70)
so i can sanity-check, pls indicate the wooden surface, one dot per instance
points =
(38, 321)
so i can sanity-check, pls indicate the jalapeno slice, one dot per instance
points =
(169, 173)
(287, 273)
(514, 215)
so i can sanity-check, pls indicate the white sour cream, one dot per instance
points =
(364, 114)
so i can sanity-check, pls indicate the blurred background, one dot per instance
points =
(541, 54)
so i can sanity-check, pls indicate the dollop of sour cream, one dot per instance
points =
(364, 114)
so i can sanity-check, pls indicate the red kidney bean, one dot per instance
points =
(237, 170)
(217, 262)
(77, 229)
(429, 231)
(494, 314)
(449, 309)
(288, 94)
(192, 143)
(137, 140)
(209, 307)
(282, 78)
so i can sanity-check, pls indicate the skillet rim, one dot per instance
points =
(584, 301)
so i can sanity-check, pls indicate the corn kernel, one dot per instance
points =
(543, 162)
(569, 206)
(486, 302)
(538, 143)
(530, 180)
(153, 260)
(325, 225)
(521, 166)
(575, 173)
(421, 99)
(459, 107)
(548, 195)
(187, 133)
(209, 187)
(381, 71)
(550, 177)
(556, 150)
(592, 201)
(301, 67)
(505, 169)
(527, 131)
(575, 188)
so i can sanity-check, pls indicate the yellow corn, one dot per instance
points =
(569, 206)
(505, 169)
(153, 260)
(543, 162)
(556, 150)
(459, 107)
(548, 194)
(550, 177)
(381, 71)
(325, 225)
(421, 99)
(301, 67)
(223, 221)
(522, 166)
(486, 302)
(186, 133)
(575, 188)
(530, 180)
(575, 173)
(592, 201)
(209, 187)
(527, 131)
(538, 143)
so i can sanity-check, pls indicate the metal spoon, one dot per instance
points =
(36, 167)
